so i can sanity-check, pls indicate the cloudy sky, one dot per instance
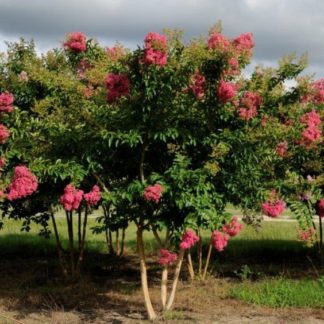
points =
(279, 26)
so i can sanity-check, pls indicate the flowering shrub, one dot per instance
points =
(23, 184)
(244, 43)
(189, 239)
(153, 193)
(167, 257)
(117, 86)
(76, 42)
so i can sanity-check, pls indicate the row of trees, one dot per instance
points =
(171, 133)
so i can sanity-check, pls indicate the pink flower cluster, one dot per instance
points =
(115, 52)
(167, 257)
(282, 148)
(273, 208)
(197, 85)
(226, 91)
(244, 43)
(72, 197)
(6, 101)
(93, 197)
(189, 239)
(249, 104)
(76, 42)
(155, 49)
(219, 240)
(4, 134)
(153, 193)
(312, 132)
(218, 41)
(320, 208)
(233, 227)
(23, 184)
(117, 85)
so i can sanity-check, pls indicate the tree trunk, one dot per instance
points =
(175, 280)
(80, 259)
(122, 246)
(71, 247)
(117, 242)
(147, 300)
(199, 252)
(207, 260)
(190, 266)
(164, 286)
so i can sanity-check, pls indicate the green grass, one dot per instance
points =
(274, 238)
(279, 293)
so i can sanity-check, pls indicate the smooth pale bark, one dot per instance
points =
(207, 261)
(164, 287)
(199, 251)
(147, 300)
(175, 280)
(190, 266)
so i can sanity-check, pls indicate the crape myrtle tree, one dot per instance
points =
(171, 132)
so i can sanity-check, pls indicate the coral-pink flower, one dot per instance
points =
(320, 208)
(197, 85)
(167, 257)
(226, 91)
(4, 134)
(117, 85)
(71, 199)
(153, 193)
(282, 148)
(311, 119)
(23, 184)
(219, 240)
(233, 227)
(234, 67)
(218, 41)
(244, 43)
(93, 197)
(6, 102)
(189, 239)
(76, 42)
(273, 208)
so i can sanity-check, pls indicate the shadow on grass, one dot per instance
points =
(30, 279)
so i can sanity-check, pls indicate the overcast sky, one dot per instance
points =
(279, 26)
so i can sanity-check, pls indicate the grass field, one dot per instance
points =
(268, 268)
